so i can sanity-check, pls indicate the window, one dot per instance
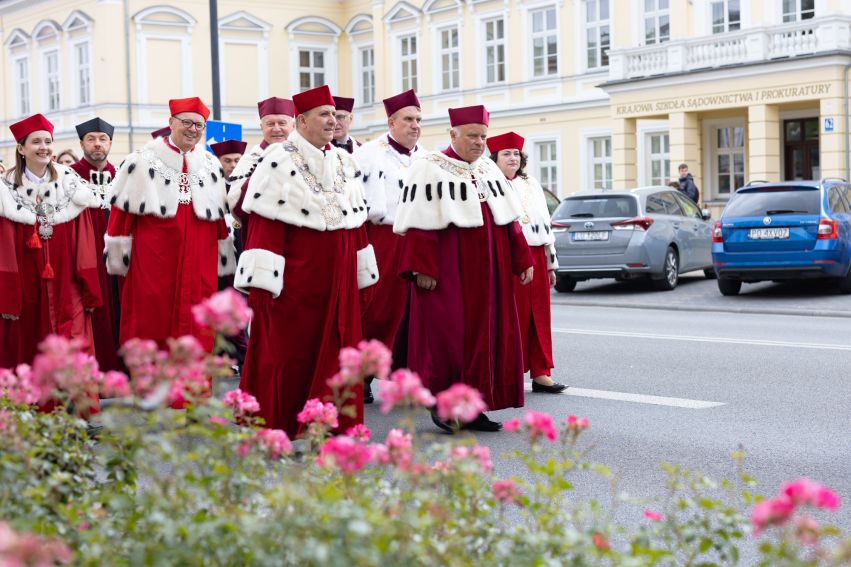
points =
(660, 163)
(657, 21)
(82, 73)
(546, 165)
(601, 163)
(408, 50)
(367, 75)
(22, 86)
(494, 51)
(726, 16)
(689, 207)
(311, 68)
(449, 59)
(544, 42)
(51, 80)
(729, 159)
(836, 201)
(664, 203)
(795, 10)
(597, 36)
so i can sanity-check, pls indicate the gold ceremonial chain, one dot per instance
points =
(331, 209)
(396, 155)
(469, 172)
(44, 212)
(185, 181)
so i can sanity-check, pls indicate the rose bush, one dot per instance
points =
(206, 486)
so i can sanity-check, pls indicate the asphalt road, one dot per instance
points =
(689, 385)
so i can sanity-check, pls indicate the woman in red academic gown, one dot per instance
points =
(48, 258)
(533, 300)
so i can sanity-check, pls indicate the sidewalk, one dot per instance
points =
(696, 293)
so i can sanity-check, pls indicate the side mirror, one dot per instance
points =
(705, 214)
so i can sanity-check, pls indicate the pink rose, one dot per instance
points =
(460, 402)
(826, 498)
(506, 491)
(323, 414)
(115, 385)
(403, 389)
(511, 425)
(225, 312)
(359, 432)
(344, 453)
(274, 442)
(771, 512)
(242, 403)
(807, 530)
(376, 359)
(540, 424)
(653, 516)
(399, 446)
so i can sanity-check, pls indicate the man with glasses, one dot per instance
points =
(167, 234)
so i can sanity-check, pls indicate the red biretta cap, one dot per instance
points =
(507, 141)
(161, 133)
(27, 126)
(275, 105)
(468, 115)
(344, 103)
(229, 147)
(193, 104)
(401, 100)
(320, 96)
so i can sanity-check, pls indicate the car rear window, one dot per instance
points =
(774, 201)
(596, 206)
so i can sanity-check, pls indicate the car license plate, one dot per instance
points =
(768, 233)
(592, 235)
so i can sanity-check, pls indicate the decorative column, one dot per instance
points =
(763, 143)
(684, 131)
(623, 154)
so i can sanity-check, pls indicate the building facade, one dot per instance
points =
(608, 93)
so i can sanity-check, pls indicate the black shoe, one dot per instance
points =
(554, 388)
(440, 423)
(368, 398)
(483, 423)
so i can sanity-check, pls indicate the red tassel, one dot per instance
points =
(34, 241)
(47, 272)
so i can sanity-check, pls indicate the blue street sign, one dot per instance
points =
(828, 124)
(218, 131)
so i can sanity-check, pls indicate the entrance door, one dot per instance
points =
(800, 138)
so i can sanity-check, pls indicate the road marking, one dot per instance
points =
(723, 340)
(637, 398)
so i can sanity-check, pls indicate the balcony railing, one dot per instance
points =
(752, 45)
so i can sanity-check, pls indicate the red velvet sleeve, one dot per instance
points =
(237, 209)
(87, 260)
(521, 256)
(221, 229)
(269, 235)
(120, 223)
(10, 277)
(420, 254)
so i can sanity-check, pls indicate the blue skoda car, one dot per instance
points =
(784, 231)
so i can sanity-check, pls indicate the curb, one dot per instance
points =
(707, 309)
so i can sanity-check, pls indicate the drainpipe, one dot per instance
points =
(129, 84)
(847, 138)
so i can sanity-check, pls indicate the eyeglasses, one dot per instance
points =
(188, 124)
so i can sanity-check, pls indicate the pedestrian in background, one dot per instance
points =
(687, 185)
(66, 157)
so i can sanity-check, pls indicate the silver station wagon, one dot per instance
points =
(654, 232)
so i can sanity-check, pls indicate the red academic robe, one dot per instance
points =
(174, 266)
(533, 309)
(295, 339)
(466, 329)
(241, 234)
(384, 309)
(104, 318)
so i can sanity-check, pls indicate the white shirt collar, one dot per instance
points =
(35, 178)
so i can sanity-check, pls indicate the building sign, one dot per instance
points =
(218, 131)
(828, 124)
(726, 100)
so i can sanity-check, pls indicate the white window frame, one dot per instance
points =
(52, 101)
(311, 70)
(710, 174)
(493, 44)
(23, 103)
(645, 130)
(360, 68)
(440, 52)
(656, 16)
(412, 82)
(532, 36)
(727, 22)
(534, 165)
(662, 156)
(585, 26)
(606, 181)
(76, 72)
(797, 15)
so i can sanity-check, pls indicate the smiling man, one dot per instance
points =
(305, 259)
(167, 233)
(462, 249)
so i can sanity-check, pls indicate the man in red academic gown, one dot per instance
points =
(306, 257)
(94, 167)
(384, 163)
(48, 258)
(277, 120)
(167, 233)
(345, 115)
(462, 249)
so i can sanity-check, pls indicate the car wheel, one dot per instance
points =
(729, 287)
(710, 274)
(565, 284)
(845, 283)
(670, 271)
